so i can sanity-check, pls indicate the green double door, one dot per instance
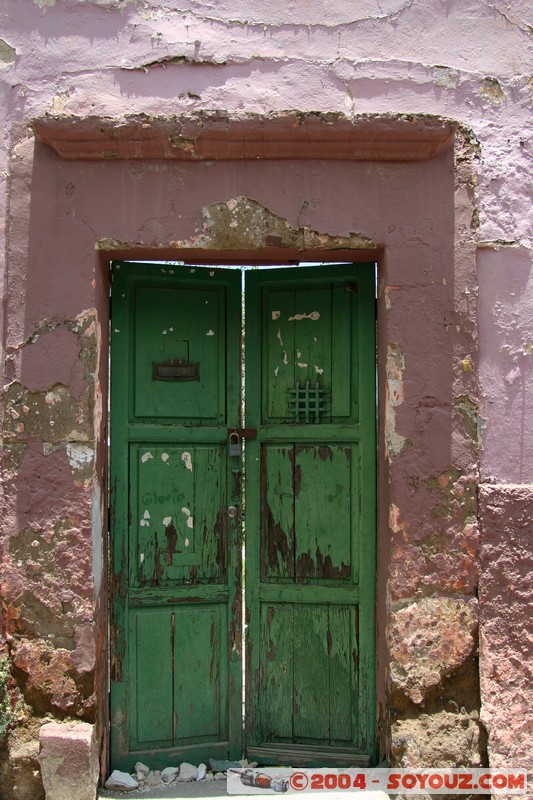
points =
(207, 504)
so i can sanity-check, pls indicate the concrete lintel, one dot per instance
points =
(215, 136)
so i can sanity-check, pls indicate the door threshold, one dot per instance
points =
(301, 755)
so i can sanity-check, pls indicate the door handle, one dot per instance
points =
(237, 486)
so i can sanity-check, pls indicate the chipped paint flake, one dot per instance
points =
(165, 457)
(278, 336)
(301, 364)
(210, 333)
(146, 457)
(79, 455)
(276, 315)
(146, 514)
(187, 460)
(144, 523)
(285, 359)
(276, 371)
(319, 370)
(141, 557)
(164, 332)
(167, 521)
(314, 315)
(211, 274)
(187, 542)
(116, 330)
(190, 520)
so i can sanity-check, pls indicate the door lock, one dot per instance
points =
(235, 444)
(232, 512)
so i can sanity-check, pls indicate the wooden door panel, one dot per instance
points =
(307, 336)
(151, 705)
(323, 515)
(308, 522)
(179, 522)
(200, 672)
(308, 653)
(174, 324)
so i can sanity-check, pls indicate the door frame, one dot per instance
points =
(116, 587)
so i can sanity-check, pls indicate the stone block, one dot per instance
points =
(506, 639)
(69, 760)
(429, 639)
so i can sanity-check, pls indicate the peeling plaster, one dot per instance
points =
(394, 442)
(8, 54)
(242, 223)
(97, 515)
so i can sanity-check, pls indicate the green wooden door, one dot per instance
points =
(176, 560)
(310, 515)
(310, 524)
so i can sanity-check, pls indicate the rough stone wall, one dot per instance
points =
(455, 366)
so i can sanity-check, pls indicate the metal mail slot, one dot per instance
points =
(175, 371)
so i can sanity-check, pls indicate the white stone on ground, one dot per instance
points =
(121, 780)
(169, 773)
(202, 770)
(141, 768)
(188, 772)
(153, 779)
(220, 776)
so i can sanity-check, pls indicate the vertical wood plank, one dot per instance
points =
(342, 697)
(209, 518)
(278, 353)
(312, 340)
(311, 674)
(277, 515)
(344, 378)
(277, 672)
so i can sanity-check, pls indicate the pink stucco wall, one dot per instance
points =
(455, 344)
